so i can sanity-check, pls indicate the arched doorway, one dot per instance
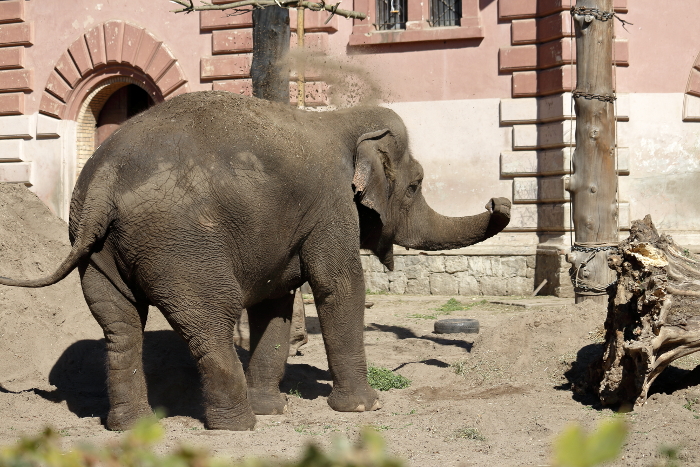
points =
(119, 107)
(98, 117)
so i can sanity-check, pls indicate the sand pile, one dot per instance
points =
(36, 325)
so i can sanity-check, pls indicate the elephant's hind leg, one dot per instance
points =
(206, 323)
(122, 323)
(270, 323)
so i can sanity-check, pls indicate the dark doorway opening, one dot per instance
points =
(121, 106)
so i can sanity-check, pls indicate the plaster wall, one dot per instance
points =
(435, 71)
(458, 142)
(664, 41)
(664, 178)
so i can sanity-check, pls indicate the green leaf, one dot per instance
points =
(605, 444)
(570, 448)
(575, 448)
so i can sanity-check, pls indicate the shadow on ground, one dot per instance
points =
(405, 333)
(674, 379)
(581, 380)
(306, 381)
(172, 378)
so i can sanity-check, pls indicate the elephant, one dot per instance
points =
(210, 203)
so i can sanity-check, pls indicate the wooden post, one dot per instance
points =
(593, 184)
(271, 34)
(301, 84)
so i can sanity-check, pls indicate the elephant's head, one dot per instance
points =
(388, 191)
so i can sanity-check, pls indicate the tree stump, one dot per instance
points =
(654, 316)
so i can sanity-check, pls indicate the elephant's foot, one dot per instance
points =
(267, 401)
(228, 419)
(354, 400)
(124, 416)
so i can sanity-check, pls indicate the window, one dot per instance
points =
(406, 21)
(391, 14)
(445, 12)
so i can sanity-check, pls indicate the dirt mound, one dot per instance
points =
(36, 325)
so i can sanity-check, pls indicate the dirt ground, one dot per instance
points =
(494, 398)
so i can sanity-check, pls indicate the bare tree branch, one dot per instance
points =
(189, 6)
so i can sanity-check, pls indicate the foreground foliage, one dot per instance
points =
(576, 448)
(136, 450)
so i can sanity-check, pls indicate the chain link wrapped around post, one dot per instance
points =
(597, 14)
(587, 95)
(580, 284)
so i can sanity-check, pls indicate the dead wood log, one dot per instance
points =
(654, 316)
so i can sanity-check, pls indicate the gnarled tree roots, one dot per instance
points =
(653, 318)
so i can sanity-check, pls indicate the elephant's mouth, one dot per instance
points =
(371, 235)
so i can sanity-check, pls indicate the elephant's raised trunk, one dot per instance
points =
(425, 229)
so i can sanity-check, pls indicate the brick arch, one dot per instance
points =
(114, 48)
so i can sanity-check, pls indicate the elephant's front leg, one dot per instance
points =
(270, 322)
(337, 281)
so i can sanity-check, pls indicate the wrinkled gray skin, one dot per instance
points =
(211, 203)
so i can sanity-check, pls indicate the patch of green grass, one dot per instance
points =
(670, 457)
(377, 292)
(469, 433)
(318, 431)
(295, 391)
(689, 405)
(383, 379)
(447, 309)
(460, 367)
(486, 368)
(413, 411)
(302, 429)
(425, 316)
(380, 427)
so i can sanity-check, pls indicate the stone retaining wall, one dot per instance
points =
(425, 274)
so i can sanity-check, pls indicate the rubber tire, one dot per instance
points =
(455, 325)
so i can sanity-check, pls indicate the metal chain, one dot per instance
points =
(598, 14)
(587, 286)
(596, 249)
(594, 12)
(589, 96)
(596, 288)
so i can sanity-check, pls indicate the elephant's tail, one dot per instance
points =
(96, 217)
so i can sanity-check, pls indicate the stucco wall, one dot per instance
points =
(487, 116)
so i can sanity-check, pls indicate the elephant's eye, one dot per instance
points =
(412, 188)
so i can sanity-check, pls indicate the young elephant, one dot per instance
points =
(210, 203)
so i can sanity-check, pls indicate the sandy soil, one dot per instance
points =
(511, 382)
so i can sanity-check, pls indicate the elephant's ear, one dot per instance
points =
(371, 181)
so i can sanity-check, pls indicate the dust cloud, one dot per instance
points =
(347, 84)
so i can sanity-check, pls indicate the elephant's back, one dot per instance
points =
(218, 142)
